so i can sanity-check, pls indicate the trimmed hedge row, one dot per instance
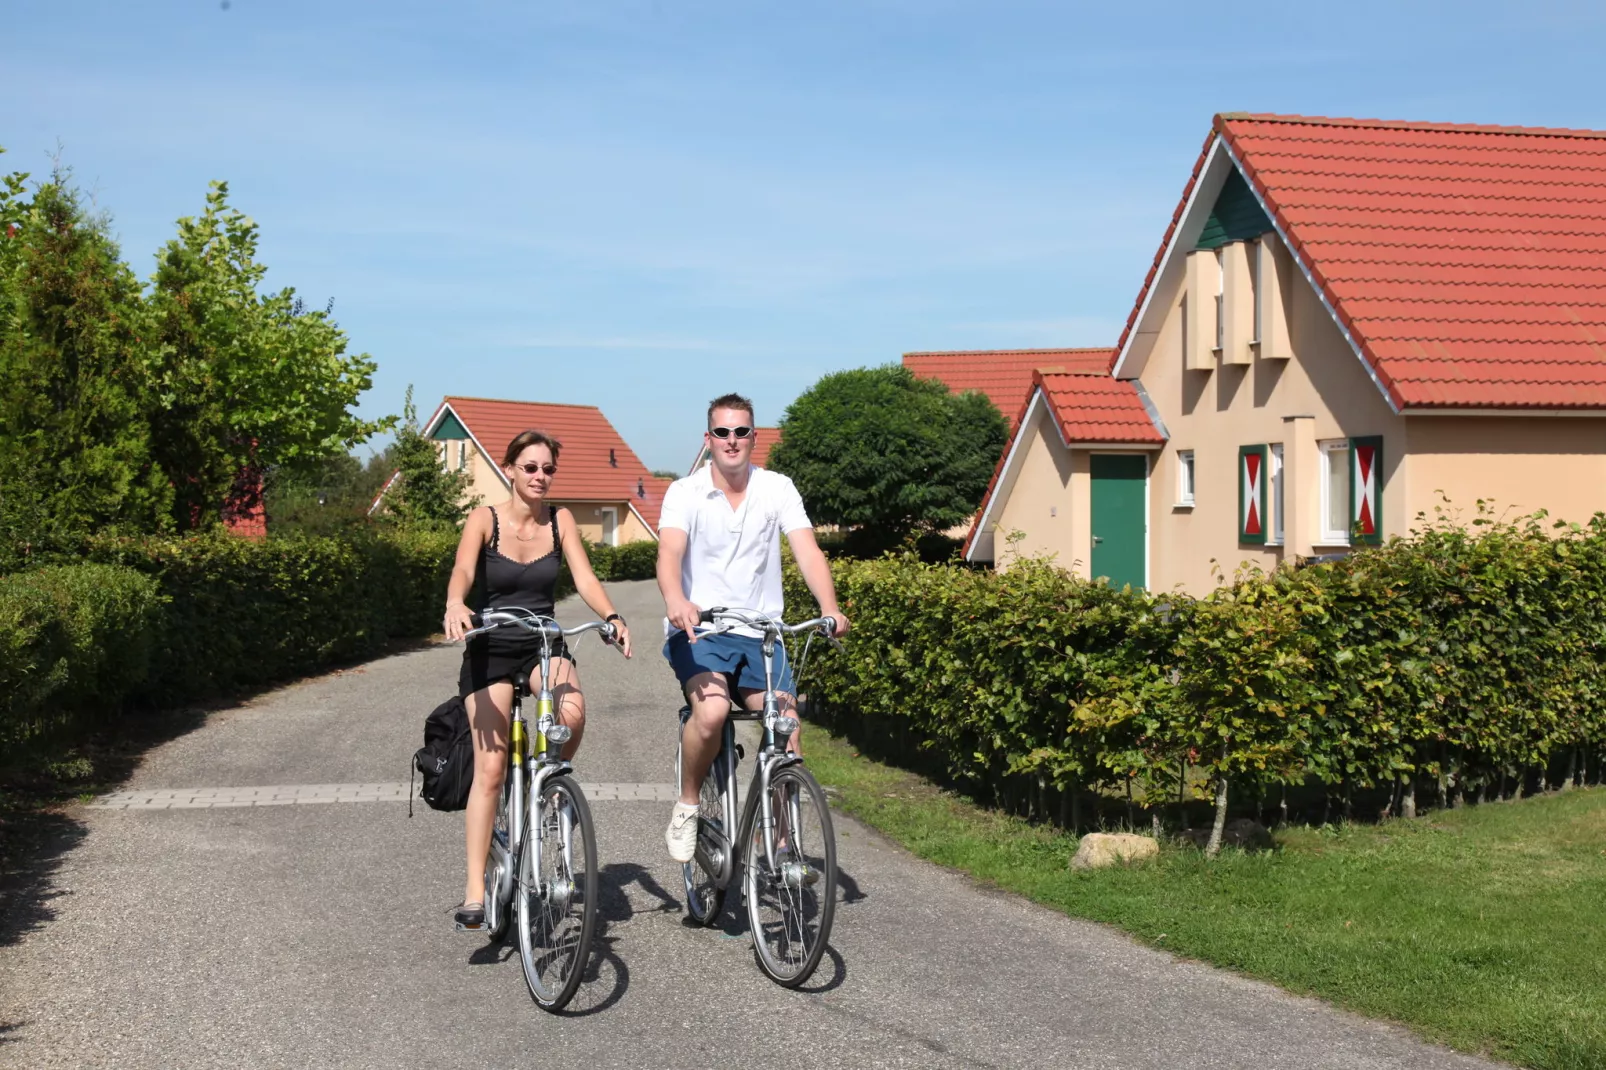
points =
(166, 620)
(71, 636)
(1459, 660)
(163, 620)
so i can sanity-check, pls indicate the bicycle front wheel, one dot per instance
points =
(791, 890)
(557, 894)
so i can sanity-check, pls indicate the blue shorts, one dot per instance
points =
(739, 658)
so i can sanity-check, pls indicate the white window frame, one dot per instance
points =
(1187, 478)
(1275, 496)
(1331, 537)
(610, 519)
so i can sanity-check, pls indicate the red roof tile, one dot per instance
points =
(1467, 262)
(1090, 408)
(1097, 408)
(594, 464)
(1004, 375)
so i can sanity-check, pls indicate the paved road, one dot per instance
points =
(314, 932)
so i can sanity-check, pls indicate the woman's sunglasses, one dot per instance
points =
(727, 432)
(530, 469)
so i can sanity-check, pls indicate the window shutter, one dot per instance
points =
(1252, 481)
(1366, 490)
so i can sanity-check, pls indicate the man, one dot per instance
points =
(719, 545)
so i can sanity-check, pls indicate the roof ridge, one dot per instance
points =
(970, 352)
(510, 401)
(1405, 124)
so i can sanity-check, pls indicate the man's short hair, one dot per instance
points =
(730, 401)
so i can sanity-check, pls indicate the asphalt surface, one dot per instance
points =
(320, 935)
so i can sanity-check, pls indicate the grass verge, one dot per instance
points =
(1478, 928)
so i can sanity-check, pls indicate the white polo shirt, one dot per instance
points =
(733, 556)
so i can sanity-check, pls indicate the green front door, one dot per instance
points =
(1120, 533)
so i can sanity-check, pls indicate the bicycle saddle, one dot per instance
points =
(521, 684)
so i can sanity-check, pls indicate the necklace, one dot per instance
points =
(526, 538)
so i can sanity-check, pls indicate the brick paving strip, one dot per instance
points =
(307, 794)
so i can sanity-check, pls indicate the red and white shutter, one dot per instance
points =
(1253, 478)
(1366, 489)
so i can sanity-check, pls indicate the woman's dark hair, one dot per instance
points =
(524, 440)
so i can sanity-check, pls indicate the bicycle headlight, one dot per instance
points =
(785, 726)
(558, 733)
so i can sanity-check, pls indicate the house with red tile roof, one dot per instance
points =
(1347, 322)
(612, 494)
(1004, 375)
(765, 439)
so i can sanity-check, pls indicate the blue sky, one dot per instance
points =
(642, 204)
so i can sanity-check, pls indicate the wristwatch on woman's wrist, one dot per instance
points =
(611, 617)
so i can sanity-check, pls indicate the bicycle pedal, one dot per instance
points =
(470, 928)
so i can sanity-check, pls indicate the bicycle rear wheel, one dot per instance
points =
(705, 897)
(557, 904)
(791, 900)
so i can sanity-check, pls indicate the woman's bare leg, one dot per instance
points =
(489, 710)
(569, 702)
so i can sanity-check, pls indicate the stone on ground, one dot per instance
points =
(1099, 849)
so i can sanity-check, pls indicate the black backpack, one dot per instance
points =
(446, 760)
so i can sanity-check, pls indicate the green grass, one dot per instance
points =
(1483, 929)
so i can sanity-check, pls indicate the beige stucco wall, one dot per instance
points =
(1518, 464)
(1215, 412)
(1048, 502)
(1039, 503)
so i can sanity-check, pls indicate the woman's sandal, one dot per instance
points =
(471, 915)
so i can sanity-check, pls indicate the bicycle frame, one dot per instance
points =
(542, 760)
(715, 850)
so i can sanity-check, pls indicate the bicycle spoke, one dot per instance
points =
(791, 896)
(557, 895)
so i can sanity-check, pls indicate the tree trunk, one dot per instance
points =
(1130, 821)
(1154, 822)
(1213, 847)
(1182, 795)
(1282, 808)
(1572, 770)
(1407, 797)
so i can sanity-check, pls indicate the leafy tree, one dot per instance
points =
(880, 449)
(74, 452)
(244, 381)
(426, 493)
(327, 495)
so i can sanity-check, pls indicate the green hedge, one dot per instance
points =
(628, 561)
(72, 638)
(1458, 661)
(243, 613)
(163, 620)
(166, 620)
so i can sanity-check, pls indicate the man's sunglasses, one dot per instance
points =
(530, 469)
(727, 432)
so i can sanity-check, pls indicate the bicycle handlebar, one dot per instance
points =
(825, 625)
(535, 623)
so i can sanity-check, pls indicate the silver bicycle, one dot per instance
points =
(542, 867)
(782, 847)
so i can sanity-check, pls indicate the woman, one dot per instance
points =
(515, 546)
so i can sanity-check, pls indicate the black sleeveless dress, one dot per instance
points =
(507, 583)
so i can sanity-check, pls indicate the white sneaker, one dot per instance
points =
(681, 836)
